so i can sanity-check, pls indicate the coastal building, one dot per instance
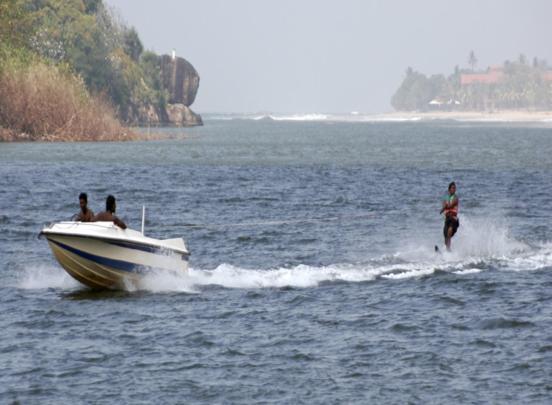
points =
(547, 76)
(494, 74)
(443, 104)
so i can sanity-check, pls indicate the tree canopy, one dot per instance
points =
(90, 40)
(520, 86)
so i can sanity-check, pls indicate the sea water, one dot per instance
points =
(312, 277)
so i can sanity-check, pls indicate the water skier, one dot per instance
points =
(450, 209)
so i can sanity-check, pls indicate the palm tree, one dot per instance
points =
(472, 60)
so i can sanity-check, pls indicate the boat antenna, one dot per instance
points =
(143, 217)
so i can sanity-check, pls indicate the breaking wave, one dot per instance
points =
(380, 118)
(299, 117)
(315, 117)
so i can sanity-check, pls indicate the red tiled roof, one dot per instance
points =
(494, 75)
(547, 76)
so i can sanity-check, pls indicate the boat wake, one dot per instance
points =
(225, 275)
(482, 245)
(392, 267)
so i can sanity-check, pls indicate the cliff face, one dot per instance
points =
(181, 81)
(57, 56)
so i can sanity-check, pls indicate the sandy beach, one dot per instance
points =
(495, 116)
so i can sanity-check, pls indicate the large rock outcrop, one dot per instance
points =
(181, 81)
(181, 115)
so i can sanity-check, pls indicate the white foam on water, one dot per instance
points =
(410, 274)
(467, 271)
(477, 239)
(481, 243)
(44, 277)
(228, 276)
(300, 117)
(538, 259)
(164, 281)
(486, 237)
(275, 117)
(354, 116)
(383, 119)
(301, 276)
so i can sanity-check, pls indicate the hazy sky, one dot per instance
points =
(331, 56)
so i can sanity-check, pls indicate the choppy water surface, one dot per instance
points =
(351, 305)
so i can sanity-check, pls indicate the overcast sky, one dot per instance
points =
(303, 56)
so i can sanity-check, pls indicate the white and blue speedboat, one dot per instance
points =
(102, 255)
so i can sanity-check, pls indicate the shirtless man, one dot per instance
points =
(109, 213)
(85, 214)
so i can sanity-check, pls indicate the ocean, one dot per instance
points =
(313, 276)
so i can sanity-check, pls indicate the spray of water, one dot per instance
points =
(481, 244)
(44, 277)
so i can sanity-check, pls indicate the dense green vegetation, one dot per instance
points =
(48, 103)
(83, 42)
(521, 86)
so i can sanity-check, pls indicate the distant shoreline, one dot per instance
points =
(474, 116)
(505, 116)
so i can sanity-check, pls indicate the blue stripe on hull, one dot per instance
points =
(135, 246)
(116, 264)
(129, 245)
(143, 248)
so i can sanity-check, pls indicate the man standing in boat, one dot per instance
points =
(109, 214)
(450, 209)
(85, 214)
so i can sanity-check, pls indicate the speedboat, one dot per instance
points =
(101, 255)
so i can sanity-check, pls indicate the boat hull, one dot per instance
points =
(109, 264)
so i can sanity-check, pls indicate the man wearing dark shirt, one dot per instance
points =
(109, 213)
